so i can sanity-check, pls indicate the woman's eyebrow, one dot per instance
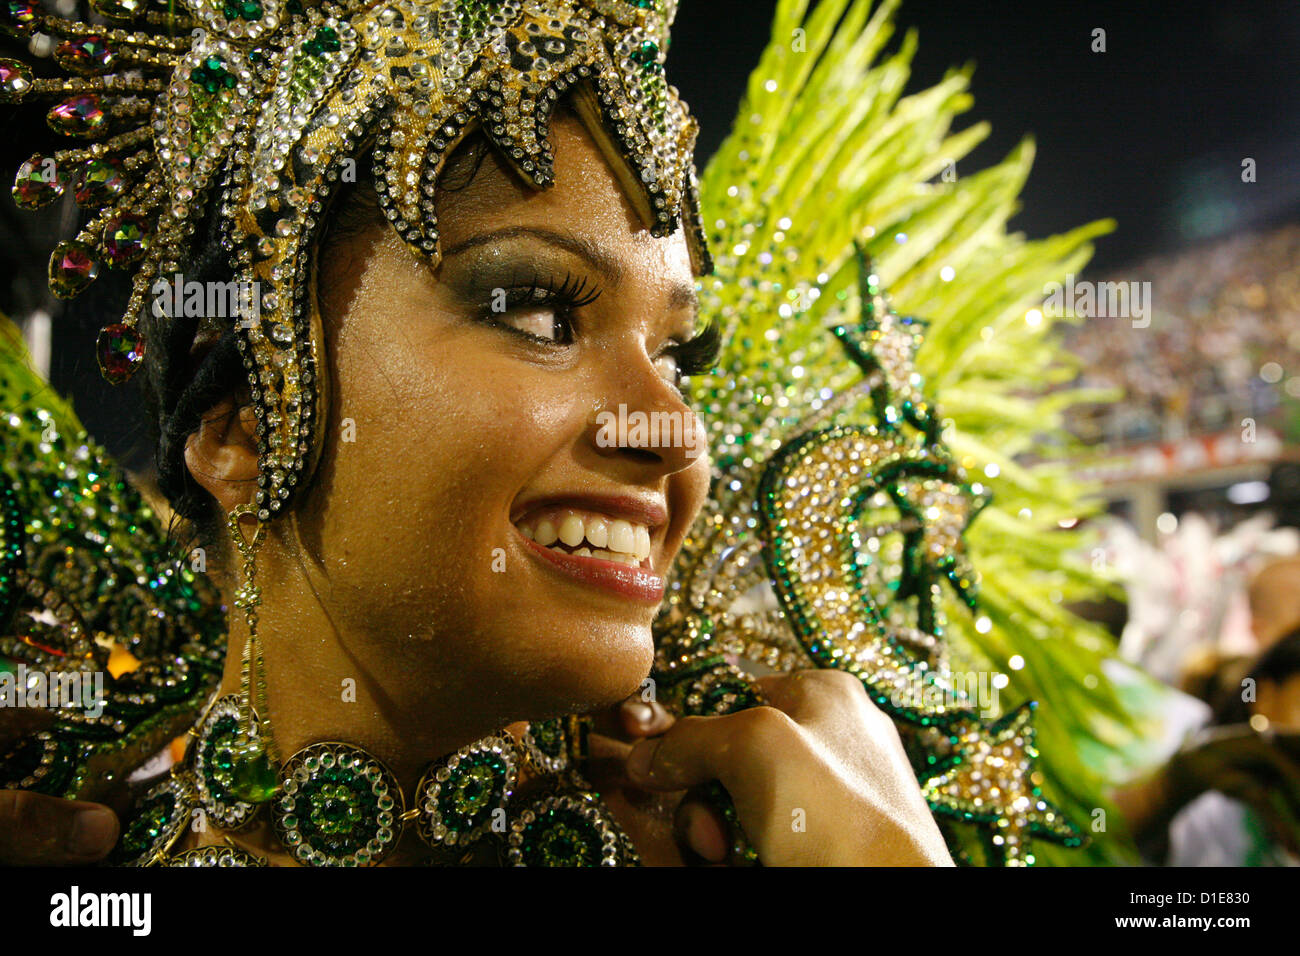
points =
(607, 265)
(681, 296)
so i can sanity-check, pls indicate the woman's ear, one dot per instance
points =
(222, 453)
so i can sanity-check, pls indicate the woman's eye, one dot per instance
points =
(669, 369)
(542, 323)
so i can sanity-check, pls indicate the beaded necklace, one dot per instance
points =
(334, 804)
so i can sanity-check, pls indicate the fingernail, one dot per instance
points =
(641, 757)
(93, 832)
(641, 712)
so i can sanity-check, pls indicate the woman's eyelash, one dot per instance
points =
(699, 353)
(571, 293)
(695, 356)
(565, 296)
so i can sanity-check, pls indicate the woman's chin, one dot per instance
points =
(597, 678)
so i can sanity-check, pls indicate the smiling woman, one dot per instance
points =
(453, 426)
(471, 621)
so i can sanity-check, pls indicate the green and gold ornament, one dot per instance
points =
(85, 568)
(336, 805)
(856, 527)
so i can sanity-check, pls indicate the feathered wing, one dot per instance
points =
(821, 375)
(85, 572)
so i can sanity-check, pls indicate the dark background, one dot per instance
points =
(1151, 133)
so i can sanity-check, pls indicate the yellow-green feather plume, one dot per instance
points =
(827, 151)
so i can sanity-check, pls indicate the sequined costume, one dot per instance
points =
(835, 534)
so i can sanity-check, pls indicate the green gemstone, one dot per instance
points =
(561, 837)
(647, 53)
(549, 737)
(252, 778)
(213, 76)
(563, 845)
(326, 40)
(242, 10)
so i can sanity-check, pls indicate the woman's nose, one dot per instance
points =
(647, 421)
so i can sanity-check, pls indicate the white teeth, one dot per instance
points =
(597, 531)
(571, 530)
(546, 533)
(622, 537)
(610, 539)
(615, 557)
(606, 555)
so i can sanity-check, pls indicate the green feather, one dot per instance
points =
(825, 139)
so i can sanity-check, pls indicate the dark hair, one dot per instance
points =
(1277, 664)
(185, 373)
(1281, 661)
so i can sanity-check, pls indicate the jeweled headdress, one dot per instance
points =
(263, 107)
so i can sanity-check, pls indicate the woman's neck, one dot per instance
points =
(323, 685)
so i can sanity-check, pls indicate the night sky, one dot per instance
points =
(1150, 133)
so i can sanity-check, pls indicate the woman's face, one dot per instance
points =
(461, 438)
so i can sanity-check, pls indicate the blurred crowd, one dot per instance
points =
(1216, 617)
(1223, 343)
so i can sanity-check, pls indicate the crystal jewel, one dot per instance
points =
(38, 183)
(117, 9)
(252, 778)
(98, 182)
(242, 10)
(326, 40)
(126, 238)
(15, 81)
(88, 54)
(78, 116)
(72, 268)
(18, 17)
(213, 75)
(121, 350)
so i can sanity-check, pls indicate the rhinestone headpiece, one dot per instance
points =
(263, 106)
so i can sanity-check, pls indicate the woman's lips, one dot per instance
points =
(636, 583)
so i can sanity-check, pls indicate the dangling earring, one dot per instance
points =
(254, 762)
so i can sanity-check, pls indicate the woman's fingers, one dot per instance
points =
(642, 718)
(702, 830)
(36, 829)
(695, 750)
(39, 830)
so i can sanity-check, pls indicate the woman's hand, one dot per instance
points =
(36, 830)
(819, 778)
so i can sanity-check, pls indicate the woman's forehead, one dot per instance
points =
(586, 201)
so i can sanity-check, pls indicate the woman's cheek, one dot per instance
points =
(489, 429)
